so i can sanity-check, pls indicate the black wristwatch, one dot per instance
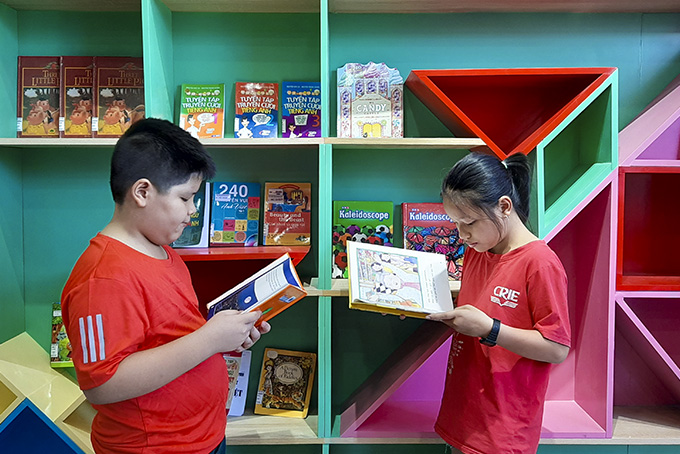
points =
(490, 340)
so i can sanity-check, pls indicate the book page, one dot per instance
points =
(270, 283)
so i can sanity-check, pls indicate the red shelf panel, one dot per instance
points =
(647, 229)
(297, 253)
(512, 110)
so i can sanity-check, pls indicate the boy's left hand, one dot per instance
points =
(255, 333)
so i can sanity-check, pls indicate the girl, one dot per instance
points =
(513, 295)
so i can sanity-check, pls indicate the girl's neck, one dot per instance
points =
(515, 235)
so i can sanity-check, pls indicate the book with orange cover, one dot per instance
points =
(271, 290)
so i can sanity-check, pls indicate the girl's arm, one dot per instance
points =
(529, 343)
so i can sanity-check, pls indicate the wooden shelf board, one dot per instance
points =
(340, 287)
(56, 143)
(467, 6)
(356, 6)
(228, 253)
(415, 143)
(261, 143)
(251, 429)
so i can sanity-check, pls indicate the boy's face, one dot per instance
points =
(168, 214)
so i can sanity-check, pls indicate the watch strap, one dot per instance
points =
(490, 340)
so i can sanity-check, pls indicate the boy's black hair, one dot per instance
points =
(159, 151)
(480, 180)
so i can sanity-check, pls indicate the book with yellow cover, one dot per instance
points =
(286, 380)
(397, 281)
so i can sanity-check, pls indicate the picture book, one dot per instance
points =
(197, 233)
(300, 109)
(233, 361)
(287, 214)
(428, 228)
(286, 380)
(235, 214)
(257, 110)
(362, 221)
(38, 97)
(77, 83)
(119, 94)
(397, 281)
(201, 110)
(370, 101)
(60, 349)
(271, 290)
(238, 387)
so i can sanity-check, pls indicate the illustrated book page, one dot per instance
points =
(397, 281)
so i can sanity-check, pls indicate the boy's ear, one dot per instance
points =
(140, 191)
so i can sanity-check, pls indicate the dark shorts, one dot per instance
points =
(221, 448)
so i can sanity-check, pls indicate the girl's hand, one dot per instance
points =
(467, 320)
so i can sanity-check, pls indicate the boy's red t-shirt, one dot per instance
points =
(118, 301)
(493, 399)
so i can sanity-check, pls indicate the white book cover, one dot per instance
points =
(238, 401)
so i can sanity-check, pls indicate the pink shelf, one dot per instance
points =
(649, 325)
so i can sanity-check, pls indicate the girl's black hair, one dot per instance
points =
(480, 180)
(160, 151)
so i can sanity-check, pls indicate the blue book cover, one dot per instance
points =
(300, 109)
(235, 217)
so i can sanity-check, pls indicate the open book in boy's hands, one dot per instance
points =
(397, 281)
(271, 290)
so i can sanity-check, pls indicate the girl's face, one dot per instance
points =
(475, 228)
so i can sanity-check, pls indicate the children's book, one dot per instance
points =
(60, 350)
(197, 233)
(287, 214)
(271, 290)
(202, 110)
(370, 101)
(428, 228)
(235, 214)
(257, 110)
(76, 105)
(77, 82)
(286, 381)
(361, 221)
(300, 109)
(38, 97)
(397, 281)
(237, 402)
(119, 94)
(233, 361)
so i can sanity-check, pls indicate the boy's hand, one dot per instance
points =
(255, 333)
(229, 330)
(467, 320)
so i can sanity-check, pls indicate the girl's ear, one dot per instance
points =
(505, 205)
(140, 191)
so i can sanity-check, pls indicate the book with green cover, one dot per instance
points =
(202, 110)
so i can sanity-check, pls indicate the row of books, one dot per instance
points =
(75, 96)
(256, 110)
(228, 214)
(426, 227)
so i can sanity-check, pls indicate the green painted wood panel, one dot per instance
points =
(8, 73)
(158, 62)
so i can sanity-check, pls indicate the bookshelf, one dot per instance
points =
(59, 189)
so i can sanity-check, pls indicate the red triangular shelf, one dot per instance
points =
(512, 110)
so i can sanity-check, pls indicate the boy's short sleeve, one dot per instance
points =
(548, 302)
(107, 322)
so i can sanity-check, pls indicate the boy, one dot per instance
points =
(144, 356)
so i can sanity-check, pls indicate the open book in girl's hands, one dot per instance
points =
(271, 290)
(397, 281)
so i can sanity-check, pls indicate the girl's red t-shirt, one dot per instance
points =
(493, 399)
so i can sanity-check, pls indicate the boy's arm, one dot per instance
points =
(145, 371)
